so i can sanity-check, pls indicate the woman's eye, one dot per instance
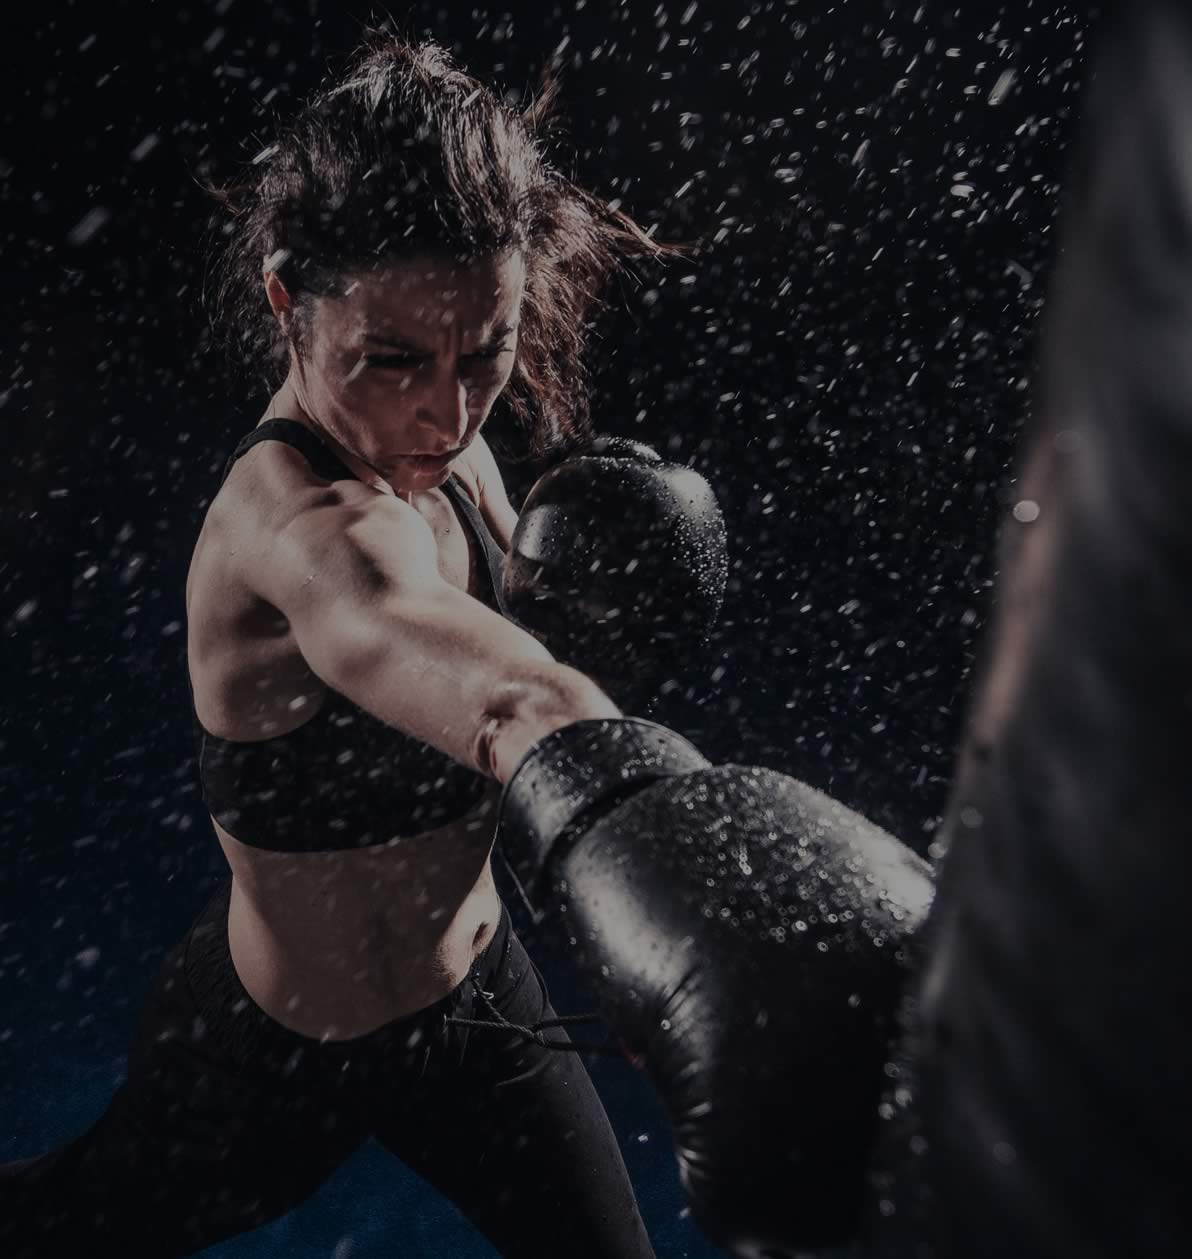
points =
(488, 356)
(410, 362)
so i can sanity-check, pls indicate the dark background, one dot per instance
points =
(848, 359)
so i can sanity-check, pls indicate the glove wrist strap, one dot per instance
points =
(586, 767)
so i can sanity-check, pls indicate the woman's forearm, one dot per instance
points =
(526, 709)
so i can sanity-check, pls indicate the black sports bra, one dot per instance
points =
(343, 779)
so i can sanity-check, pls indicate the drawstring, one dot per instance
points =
(536, 915)
(534, 1031)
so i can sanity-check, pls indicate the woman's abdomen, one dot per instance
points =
(334, 944)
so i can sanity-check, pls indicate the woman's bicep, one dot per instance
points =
(444, 668)
(441, 664)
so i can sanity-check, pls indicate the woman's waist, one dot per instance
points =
(339, 965)
(313, 917)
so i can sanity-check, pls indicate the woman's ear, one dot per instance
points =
(279, 301)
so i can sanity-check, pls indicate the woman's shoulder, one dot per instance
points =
(259, 517)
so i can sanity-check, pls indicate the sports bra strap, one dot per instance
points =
(320, 457)
(493, 554)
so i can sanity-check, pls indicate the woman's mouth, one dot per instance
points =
(430, 463)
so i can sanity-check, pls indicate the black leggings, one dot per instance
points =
(227, 1120)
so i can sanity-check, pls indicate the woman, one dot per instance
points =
(359, 699)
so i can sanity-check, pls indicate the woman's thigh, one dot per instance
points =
(515, 1134)
(170, 1189)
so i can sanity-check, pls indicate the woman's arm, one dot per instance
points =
(357, 576)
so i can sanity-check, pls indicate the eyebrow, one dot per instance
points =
(408, 347)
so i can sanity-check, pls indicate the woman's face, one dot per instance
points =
(410, 360)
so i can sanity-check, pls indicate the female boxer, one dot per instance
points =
(405, 252)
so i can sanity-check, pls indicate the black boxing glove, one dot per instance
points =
(746, 938)
(618, 564)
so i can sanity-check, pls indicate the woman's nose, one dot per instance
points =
(443, 411)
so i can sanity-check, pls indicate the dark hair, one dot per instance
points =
(406, 154)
